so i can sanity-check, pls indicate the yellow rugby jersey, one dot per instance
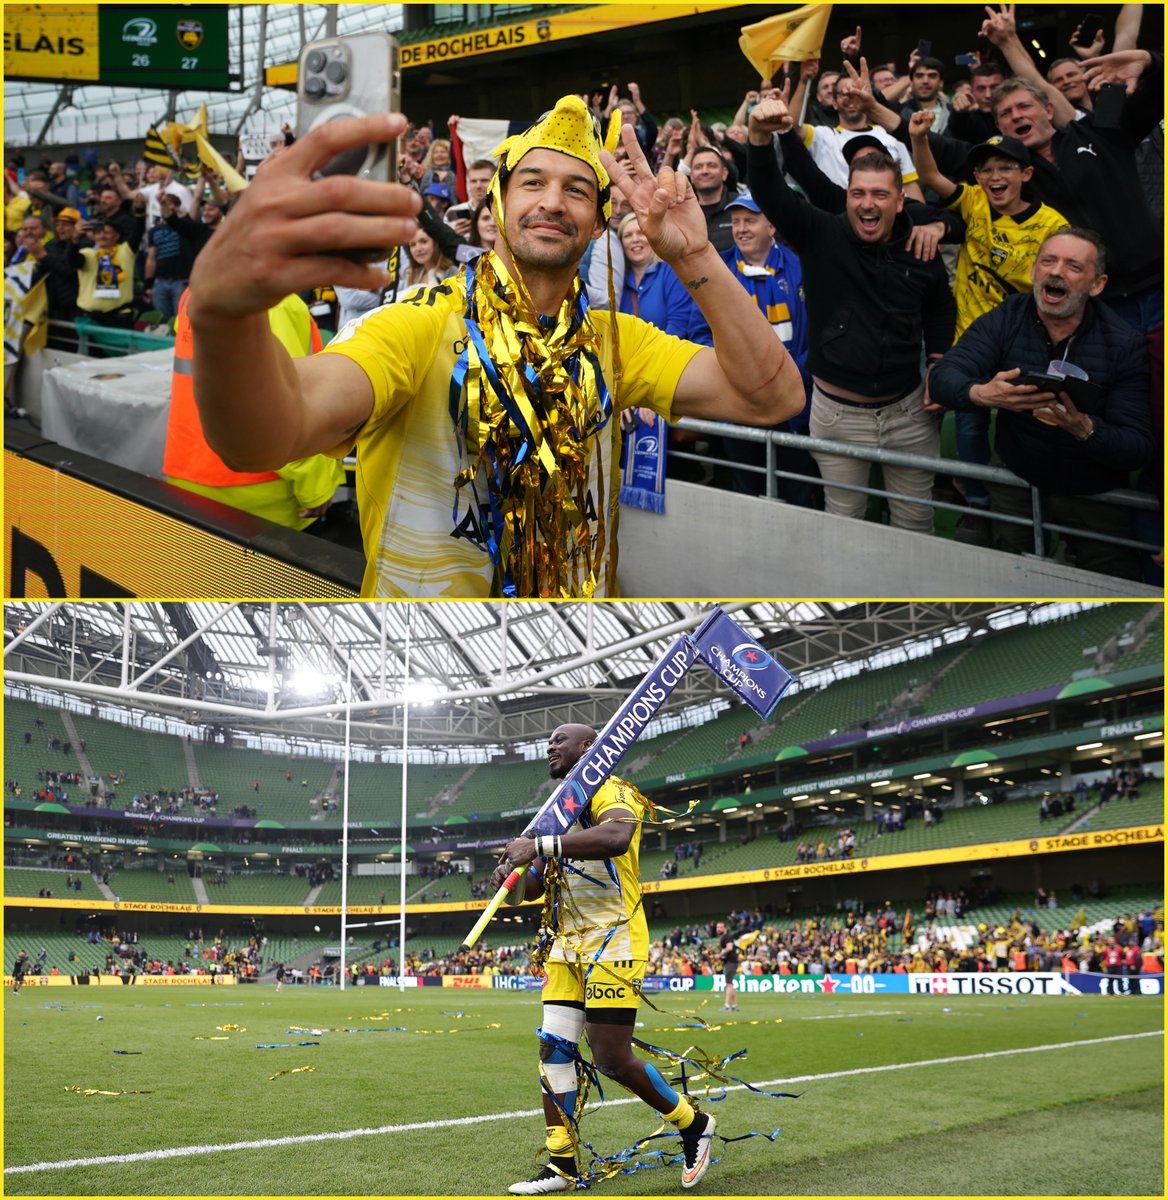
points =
(604, 899)
(997, 253)
(408, 452)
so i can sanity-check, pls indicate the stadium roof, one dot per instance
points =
(479, 673)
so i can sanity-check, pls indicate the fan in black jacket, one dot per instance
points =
(872, 306)
(1069, 454)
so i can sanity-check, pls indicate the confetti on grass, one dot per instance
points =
(293, 1071)
(77, 1090)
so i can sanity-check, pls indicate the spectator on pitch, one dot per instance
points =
(728, 952)
(873, 307)
(602, 935)
(1003, 232)
(1070, 453)
(389, 379)
(19, 968)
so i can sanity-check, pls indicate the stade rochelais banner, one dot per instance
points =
(726, 648)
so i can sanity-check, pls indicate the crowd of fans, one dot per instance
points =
(993, 159)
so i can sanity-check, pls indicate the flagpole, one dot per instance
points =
(401, 940)
(345, 813)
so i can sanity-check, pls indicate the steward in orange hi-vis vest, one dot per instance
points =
(283, 496)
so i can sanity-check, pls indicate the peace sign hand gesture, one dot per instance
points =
(667, 209)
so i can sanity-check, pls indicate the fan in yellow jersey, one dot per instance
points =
(595, 967)
(1003, 232)
(483, 413)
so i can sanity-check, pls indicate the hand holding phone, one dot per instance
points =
(346, 77)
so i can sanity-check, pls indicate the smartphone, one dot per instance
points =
(1086, 396)
(1090, 25)
(966, 60)
(345, 77)
(1042, 381)
(924, 48)
(1109, 102)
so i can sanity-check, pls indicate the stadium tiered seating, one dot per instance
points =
(148, 760)
(375, 792)
(28, 881)
(232, 772)
(22, 762)
(497, 787)
(1150, 651)
(848, 703)
(151, 884)
(1028, 657)
(701, 745)
(255, 888)
(368, 889)
(1146, 809)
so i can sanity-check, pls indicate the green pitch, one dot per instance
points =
(440, 1096)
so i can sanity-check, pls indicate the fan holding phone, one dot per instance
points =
(1036, 359)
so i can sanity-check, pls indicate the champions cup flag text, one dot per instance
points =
(727, 649)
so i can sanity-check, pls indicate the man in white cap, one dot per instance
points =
(482, 411)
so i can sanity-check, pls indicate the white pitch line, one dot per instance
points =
(453, 1122)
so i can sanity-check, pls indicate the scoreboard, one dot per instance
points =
(129, 45)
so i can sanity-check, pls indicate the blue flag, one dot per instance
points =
(740, 662)
(726, 648)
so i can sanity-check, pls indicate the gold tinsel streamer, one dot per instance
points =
(544, 543)
(293, 1071)
(77, 1090)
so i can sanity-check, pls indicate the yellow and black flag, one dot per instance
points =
(794, 36)
(156, 150)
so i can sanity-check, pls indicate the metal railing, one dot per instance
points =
(771, 439)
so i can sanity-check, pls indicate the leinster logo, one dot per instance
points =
(141, 31)
(190, 34)
(749, 657)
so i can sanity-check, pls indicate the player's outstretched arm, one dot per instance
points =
(285, 234)
(748, 377)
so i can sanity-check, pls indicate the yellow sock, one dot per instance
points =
(559, 1141)
(683, 1115)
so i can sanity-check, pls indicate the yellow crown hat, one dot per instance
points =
(569, 128)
